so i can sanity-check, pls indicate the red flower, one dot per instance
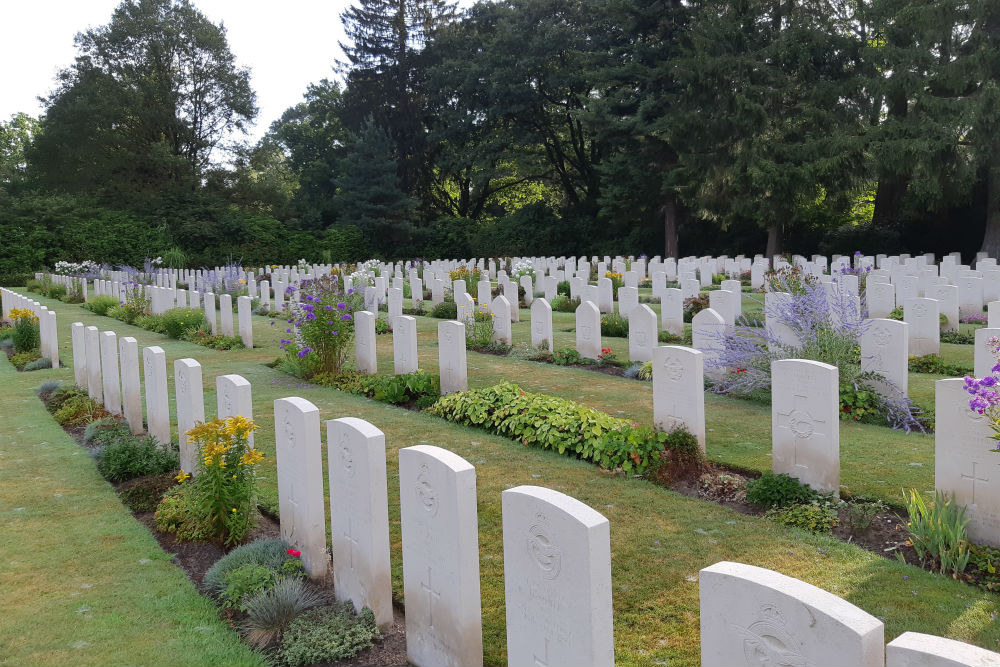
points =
(294, 552)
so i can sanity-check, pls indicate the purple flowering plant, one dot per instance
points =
(985, 394)
(321, 324)
(811, 321)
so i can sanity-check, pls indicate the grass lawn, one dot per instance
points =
(659, 539)
(84, 583)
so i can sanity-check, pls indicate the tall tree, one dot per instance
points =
(149, 98)
(15, 138)
(384, 73)
(985, 43)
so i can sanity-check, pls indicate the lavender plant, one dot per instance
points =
(812, 321)
(985, 394)
(321, 324)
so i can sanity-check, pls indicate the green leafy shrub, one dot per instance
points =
(861, 514)
(147, 493)
(34, 286)
(382, 326)
(938, 532)
(563, 287)
(860, 403)
(178, 320)
(328, 634)
(539, 420)
(93, 428)
(125, 456)
(245, 581)
(567, 356)
(564, 304)
(933, 363)
(959, 337)
(269, 553)
(446, 310)
(56, 291)
(22, 360)
(694, 305)
(152, 323)
(771, 490)
(984, 566)
(673, 339)
(100, 304)
(179, 513)
(614, 325)
(79, 410)
(271, 612)
(386, 388)
(814, 518)
(26, 333)
(206, 338)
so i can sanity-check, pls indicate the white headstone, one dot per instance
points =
(95, 387)
(880, 298)
(588, 330)
(914, 649)
(244, 310)
(884, 350)
(628, 299)
(154, 361)
(128, 348)
(404, 344)
(947, 298)
(365, 352)
(110, 378)
(452, 357)
(395, 303)
(707, 329)
(226, 314)
(805, 422)
(359, 516)
(750, 615)
(557, 580)
(213, 321)
(541, 324)
(78, 333)
(234, 397)
(440, 536)
(925, 326)
(679, 390)
(190, 408)
(300, 480)
(672, 311)
(501, 309)
(642, 333)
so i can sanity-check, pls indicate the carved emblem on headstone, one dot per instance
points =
(425, 492)
(767, 642)
(673, 369)
(543, 552)
(801, 424)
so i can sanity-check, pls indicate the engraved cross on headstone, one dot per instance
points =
(431, 596)
(544, 661)
(973, 479)
(352, 541)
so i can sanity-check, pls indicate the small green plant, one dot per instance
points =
(382, 326)
(386, 388)
(152, 323)
(860, 403)
(271, 612)
(146, 494)
(480, 333)
(179, 513)
(100, 304)
(563, 287)
(56, 291)
(861, 514)
(328, 634)
(694, 305)
(771, 490)
(269, 553)
(125, 456)
(984, 566)
(446, 310)
(567, 356)
(79, 410)
(933, 363)
(614, 325)
(245, 581)
(177, 321)
(645, 371)
(22, 360)
(564, 304)
(814, 518)
(938, 532)
(25, 333)
(959, 337)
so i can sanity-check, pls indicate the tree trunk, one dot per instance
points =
(991, 238)
(888, 200)
(670, 227)
(774, 241)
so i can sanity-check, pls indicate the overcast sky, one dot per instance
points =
(287, 44)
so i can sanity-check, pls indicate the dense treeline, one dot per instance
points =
(524, 126)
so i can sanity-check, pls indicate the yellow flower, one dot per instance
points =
(239, 426)
(182, 477)
(234, 510)
(251, 457)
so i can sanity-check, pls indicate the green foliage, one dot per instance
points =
(21, 360)
(206, 338)
(563, 288)
(37, 365)
(693, 306)
(328, 634)
(959, 337)
(78, 410)
(174, 258)
(938, 532)
(100, 304)
(814, 518)
(56, 291)
(179, 513)
(614, 325)
(382, 326)
(386, 388)
(26, 334)
(146, 494)
(933, 363)
(567, 356)
(860, 403)
(861, 514)
(270, 613)
(178, 320)
(770, 490)
(479, 334)
(446, 310)
(152, 323)
(269, 553)
(538, 420)
(125, 456)
(564, 304)
(984, 566)
(244, 581)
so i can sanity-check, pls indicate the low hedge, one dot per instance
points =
(539, 420)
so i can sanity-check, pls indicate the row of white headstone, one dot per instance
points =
(108, 367)
(557, 566)
(47, 327)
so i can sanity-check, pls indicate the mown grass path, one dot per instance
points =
(659, 539)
